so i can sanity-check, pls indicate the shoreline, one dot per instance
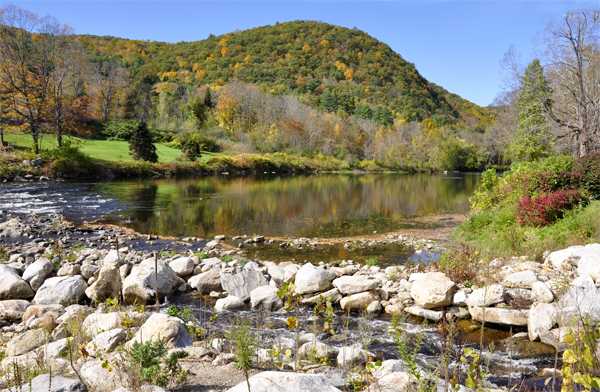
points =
(390, 291)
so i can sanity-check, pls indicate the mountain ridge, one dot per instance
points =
(327, 66)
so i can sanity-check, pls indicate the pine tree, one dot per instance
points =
(532, 139)
(328, 100)
(363, 110)
(208, 101)
(382, 116)
(141, 146)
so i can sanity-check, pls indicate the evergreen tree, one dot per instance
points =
(363, 110)
(208, 101)
(328, 101)
(532, 139)
(383, 116)
(141, 146)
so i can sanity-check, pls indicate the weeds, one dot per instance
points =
(292, 300)
(149, 362)
(244, 346)
(186, 315)
(201, 255)
(372, 261)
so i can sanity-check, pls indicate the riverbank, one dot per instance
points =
(53, 271)
(70, 161)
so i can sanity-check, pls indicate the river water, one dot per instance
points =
(325, 206)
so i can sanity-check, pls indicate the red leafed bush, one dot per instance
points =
(548, 208)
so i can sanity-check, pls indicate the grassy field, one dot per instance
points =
(102, 151)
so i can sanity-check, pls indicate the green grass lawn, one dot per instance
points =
(102, 150)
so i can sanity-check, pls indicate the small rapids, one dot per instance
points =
(507, 364)
(77, 202)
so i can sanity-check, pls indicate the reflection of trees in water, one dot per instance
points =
(144, 197)
(315, 205)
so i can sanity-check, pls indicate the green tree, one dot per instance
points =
(328, 100)
(208, 101)
(363, 110)
(532, 139)
(383, 116)
(141, 146)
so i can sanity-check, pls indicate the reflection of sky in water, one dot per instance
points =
(294, 205)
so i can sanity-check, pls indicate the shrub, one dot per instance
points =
(152, 364)
(588, 167)
(551, 181)
(218, 164)
(254, 162)
(547, 208)
(119, 129)
(69, 159)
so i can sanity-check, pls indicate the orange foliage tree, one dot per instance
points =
(29, 50)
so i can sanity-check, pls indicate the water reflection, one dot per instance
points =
(295, 205)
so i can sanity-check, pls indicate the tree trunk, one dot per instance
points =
(36, 147)
(2, 142)
(59, 137)
(583, 145)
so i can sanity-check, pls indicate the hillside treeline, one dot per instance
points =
(303, 88)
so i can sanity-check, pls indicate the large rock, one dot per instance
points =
(36, 272)
(568, 258)
(239, 281)
(206, 282)
(521, 280)
(433, 290)
(265, 297)
(183, 266)
(229, 303)
(310, 279)
(54, 311)
(100, 378)
(354, 284)
(433, 315)
(579, 303)
(13, 309)
(499, 315)
(45, 383)
(140, 285)
(64, 290)
(315, 350)
(12, 286)
(26, 342)
(541, 319)
(106, 342)
(359, 301)
(113, 258)
(556, 338)
(285, 382)
(350, 357)
(107, 286)
(542, 292)
(96, 323)
(283, 273)
(589, 264)
(394, 382)
(54, 349)
(333, 294)
(160, 326)
(486, 296)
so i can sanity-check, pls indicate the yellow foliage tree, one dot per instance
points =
(349, 74)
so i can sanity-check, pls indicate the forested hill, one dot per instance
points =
(332, 67)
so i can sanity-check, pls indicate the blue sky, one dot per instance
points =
(455, 44)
